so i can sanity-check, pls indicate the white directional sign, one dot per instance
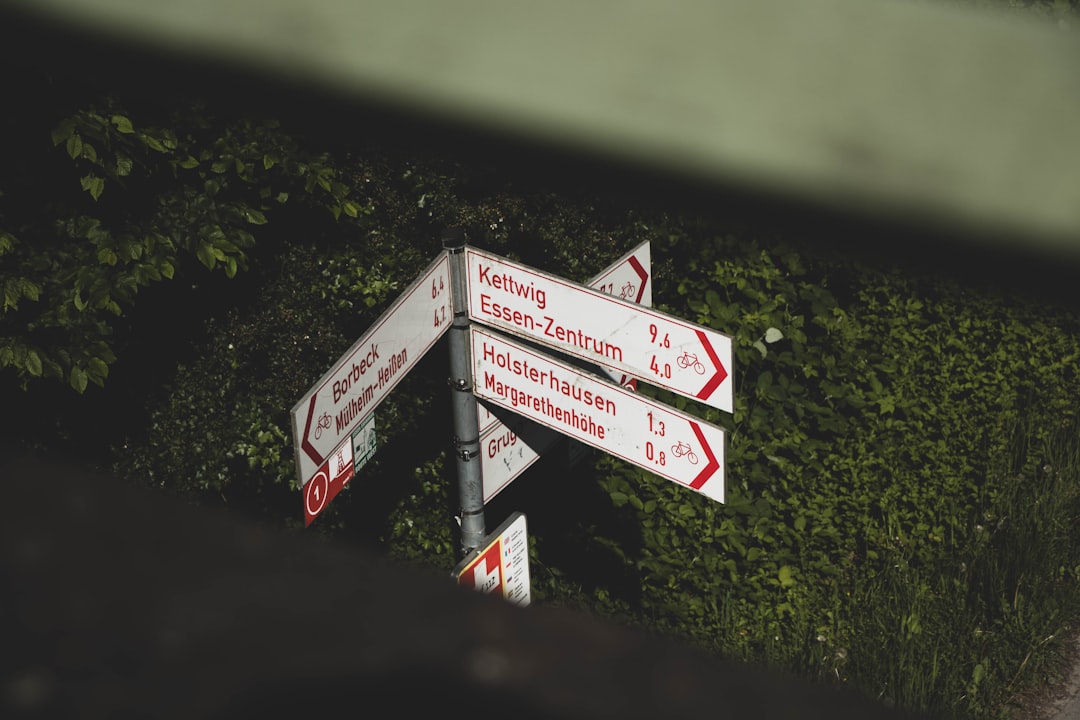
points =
(630, 278)
(374, 365)
(669, 443)
(507, 450)
(663, 350)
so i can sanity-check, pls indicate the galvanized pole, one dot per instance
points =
(466, 437)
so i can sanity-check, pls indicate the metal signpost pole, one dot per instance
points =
(465, 415)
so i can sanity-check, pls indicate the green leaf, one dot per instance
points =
(189, 162)
(33, 363)
(152, 142)
(166, 269)
(124, 165)
(98, 367)
(350, 208)
(29, 289)
(80, 304)
(11, 295)
(74, 145)
(773, 334)
(255, 217)
(205, 253)
(230, 267)
(93, 185)
(268, 162)
(786, 576)
(123, 125)
(106, 256)
(78, 379)
(760, 347)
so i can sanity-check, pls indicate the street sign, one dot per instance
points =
(658, 438)
(661, 349)
(501, 565)
(630, 278)
(371, 368)
(507, 450)
(329, 480)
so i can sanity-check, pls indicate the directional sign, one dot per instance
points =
(507, 450)
(663, 350)
(500, 566)
(630, 278)
(374, 365)
(668, 443)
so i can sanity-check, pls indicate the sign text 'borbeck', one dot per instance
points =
(665, 441)
(366, 374)
(663, 350)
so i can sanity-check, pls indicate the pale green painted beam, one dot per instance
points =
(960, 119)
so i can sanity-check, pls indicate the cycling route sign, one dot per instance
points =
(610, 331)
(362, 378)
(628, 425)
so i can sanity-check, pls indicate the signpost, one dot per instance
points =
(666, 351)
(609, 324)
(500, 565)
(665, 441)
(371, 368)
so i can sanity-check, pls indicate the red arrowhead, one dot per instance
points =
(710, 467)
(719, 376)
(642, 274)
(306, 443)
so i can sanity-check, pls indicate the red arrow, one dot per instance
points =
(306, 443)
(720, 374)
(710, 467)
(642, 274)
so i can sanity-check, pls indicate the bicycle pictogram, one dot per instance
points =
(324, 424)
(628, 291)
(689, 359)
(681, 449)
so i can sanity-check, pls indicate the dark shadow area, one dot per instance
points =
(124, 603)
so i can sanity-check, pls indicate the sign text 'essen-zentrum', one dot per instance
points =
(663, 350)
(374, 365)
(600, 413)
(508, 449)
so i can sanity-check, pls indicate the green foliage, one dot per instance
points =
(150, 199)
(874, 441)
